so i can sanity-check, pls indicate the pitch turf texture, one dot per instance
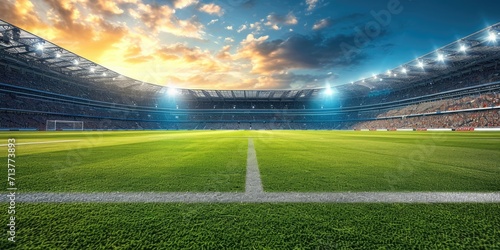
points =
(257, 226)
(298, 161)
(301, 161)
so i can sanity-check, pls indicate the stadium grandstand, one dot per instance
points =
(454, 87)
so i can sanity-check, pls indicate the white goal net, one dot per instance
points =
(53, 125)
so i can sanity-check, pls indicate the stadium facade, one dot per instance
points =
(454, 87)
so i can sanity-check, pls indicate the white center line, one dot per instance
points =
(253, 181)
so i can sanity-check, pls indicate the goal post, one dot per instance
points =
(53, 125)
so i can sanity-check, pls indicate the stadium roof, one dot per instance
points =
(25, 48)
(476, 50)
(264, 95)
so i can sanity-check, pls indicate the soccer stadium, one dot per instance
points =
(96, 159)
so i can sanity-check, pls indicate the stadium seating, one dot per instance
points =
(31, 98)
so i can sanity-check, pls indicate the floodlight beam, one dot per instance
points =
(172, 91)
(39, 47)
(420, 64)
(492, 37)
(440, 57)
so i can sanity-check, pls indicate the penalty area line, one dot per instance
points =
(40, 142)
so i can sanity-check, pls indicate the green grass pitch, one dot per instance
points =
(301, 161)
(257, 226)
(289, 161)
(131, 161)
(379, 161)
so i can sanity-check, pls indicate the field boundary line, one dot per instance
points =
(222, 197)
(40, 142)
(253, 182)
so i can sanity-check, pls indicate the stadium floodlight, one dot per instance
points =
(75, 62)
(404, 70)
(104, 74)
(492, 37)
(39, 47)
(374, 76)
(92, 69)
(58, 55)
(463, 48)
(420, 64)
(440, 57)
(389, 73)
(172, 91)
(328, 90)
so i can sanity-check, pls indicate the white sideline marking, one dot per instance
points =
(220, 197)
(253, 182)
(40, 142)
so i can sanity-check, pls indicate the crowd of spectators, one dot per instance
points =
(462, 80)
(49, 98)
(75, 87)
(37, 121)
(491, 99)
(477, 119)
(257, 105)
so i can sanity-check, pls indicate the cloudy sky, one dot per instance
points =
(250, 44)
